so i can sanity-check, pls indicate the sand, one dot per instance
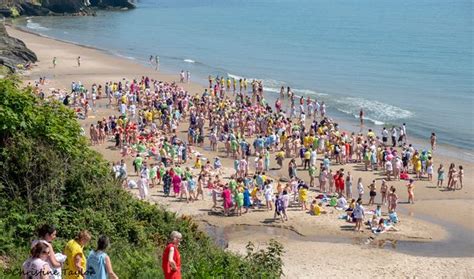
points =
(322, 246)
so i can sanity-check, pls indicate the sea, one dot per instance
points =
(400, 61)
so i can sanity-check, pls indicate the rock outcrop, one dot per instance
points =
(59, 7)
(64, 6)
(112, 3)
(13, 52)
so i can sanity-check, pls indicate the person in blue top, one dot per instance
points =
(99, 265)
(247, 202)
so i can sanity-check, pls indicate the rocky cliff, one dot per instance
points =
(13, 52)
(11, 8)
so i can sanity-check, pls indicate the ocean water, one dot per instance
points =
(401, 61)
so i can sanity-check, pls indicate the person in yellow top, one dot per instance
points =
(149, 116)
(306, 141)
(75, 265)
(371, 134)
(417, 165)
(303, 197)
(307, 157)
(320, 130)
(316, 208)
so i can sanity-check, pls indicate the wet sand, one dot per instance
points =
(436, 218)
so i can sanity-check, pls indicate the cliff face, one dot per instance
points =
(63, 6)
(13, 51)
(51, 7)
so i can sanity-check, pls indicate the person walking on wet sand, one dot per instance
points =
(410, 189)
(157, 63)
(171, 259)
(361, 116)
(433, 141)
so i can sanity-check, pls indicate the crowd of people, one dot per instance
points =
(232, 119)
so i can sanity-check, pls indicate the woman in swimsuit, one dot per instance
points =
(392, 200)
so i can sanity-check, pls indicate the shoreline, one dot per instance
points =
(100, 73)
(346, 120)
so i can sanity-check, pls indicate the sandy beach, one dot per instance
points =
(434, 237)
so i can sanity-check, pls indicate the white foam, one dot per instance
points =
(374, 111)
(271, 89)
(35, 26)
(308, 92)
(236, 77)
(123, 56)
(189, 61)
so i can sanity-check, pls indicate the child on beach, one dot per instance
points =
(460, 176)
(316, 208)
(440, 176)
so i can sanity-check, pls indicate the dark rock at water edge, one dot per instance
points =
(112, 4)
(13, 51)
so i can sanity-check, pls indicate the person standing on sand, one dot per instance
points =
(372, 192)
(383, 191)
(358, 215)
(78, 61)
(392, 199)
(441, 174)
(394, 136)
(348, 185)
(171, 259)
(55, 61)
(451, 172)
(360, 188)
(227, 200)
(460, 176)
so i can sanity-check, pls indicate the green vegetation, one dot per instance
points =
(49, 175)
(14, 12)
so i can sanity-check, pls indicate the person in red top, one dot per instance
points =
(171, 260)
(339, 181)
